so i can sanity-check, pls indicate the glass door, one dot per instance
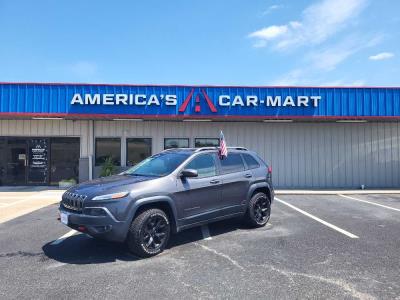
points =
(15, 158)
(38, 161)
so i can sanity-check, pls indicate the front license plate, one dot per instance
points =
(64, 218)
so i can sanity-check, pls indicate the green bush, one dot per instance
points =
(108, 167)
(71, 180)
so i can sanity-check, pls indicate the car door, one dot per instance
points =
(235, 183)
(198, 198)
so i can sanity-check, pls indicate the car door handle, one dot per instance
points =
(214, 181)
(248, 175)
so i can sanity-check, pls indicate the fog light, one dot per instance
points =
(98, 212)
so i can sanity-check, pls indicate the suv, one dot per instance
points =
(169, 192)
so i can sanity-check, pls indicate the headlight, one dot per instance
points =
(111, 196)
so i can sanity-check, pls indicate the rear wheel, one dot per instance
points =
(258, 210)
(149, 233)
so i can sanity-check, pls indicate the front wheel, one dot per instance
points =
(258, 210)
(149, 233)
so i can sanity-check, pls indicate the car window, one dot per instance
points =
(158, 165)
(232, 163)
(250, 161)
(204, 164)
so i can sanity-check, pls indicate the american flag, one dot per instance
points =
(223, 150)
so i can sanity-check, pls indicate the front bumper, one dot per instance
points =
(104, 227)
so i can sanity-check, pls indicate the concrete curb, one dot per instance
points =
(335, 192)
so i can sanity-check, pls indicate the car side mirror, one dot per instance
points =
(189, 173)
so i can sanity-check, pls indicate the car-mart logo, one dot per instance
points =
(197, 107)
(201, 96)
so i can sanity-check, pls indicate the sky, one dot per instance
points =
(213, 42)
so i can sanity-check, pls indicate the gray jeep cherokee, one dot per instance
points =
(169, 192)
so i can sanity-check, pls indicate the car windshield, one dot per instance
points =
(158, 165)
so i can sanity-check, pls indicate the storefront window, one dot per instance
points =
(206, 142)
(108, 147)
(64, 159)
(137, 149)
(3, 161)
(176, 143)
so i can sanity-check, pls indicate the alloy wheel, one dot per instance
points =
(261, 210)
(154, 233)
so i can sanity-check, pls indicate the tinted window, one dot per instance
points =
(108, 148)
(206, 143)
(159, 165)
(232, 163)
(176, 143)
(64, 159)
(137, 149)
(250, 161)
(204, 164)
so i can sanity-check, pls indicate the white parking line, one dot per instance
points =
(369, 202)
(62, 238)
(206, 233)
(342, 231)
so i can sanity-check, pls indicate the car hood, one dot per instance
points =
(108, 184)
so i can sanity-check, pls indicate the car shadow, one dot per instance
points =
(81, 249)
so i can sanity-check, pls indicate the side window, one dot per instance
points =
(204, 164)
(250, 161)
(232, 163)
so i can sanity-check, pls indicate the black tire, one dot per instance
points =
(149, 233)
(258, 210)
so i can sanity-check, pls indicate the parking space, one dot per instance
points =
(299, 254)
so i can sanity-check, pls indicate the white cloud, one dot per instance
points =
(272, 8)
(382, 56)
(315, 65)
(318, 22)
(269, 33)
(326, 58)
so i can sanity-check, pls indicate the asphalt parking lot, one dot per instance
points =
(315, 246)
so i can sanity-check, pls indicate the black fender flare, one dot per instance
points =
(259, 185)
(154, 199)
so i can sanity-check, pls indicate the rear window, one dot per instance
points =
(232, 163)
(251, 162)
(262, 161)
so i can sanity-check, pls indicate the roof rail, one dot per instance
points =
(215, 148)
(205, 148)
(174, 149)
(238, 148)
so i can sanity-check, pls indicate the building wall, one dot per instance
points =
(50, 128)
(302, 155)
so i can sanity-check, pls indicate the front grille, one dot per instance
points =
(73, 202)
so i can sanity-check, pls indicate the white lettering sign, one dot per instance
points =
(224, 101)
